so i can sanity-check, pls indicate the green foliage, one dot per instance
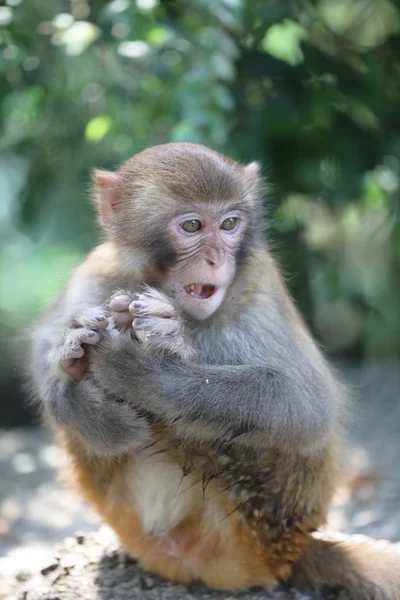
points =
(283, 41)
(311, 89)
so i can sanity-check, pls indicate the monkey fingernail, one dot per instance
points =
(90, 337)
(101, 320)
(136, 306)
(74, 351)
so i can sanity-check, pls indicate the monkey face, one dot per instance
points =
(205, 242)
(189, 213)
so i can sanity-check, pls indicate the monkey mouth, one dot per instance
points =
(201, 291)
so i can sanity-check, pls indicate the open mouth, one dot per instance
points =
(201, 291)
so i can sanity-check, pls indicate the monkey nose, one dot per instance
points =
(215, 259)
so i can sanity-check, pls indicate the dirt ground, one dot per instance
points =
(36, 512)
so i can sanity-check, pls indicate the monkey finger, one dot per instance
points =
(156, 326)
(140, 323)
(71, 352)
(120, 303)
(75, 368)
(67, 363)
(154, 297)
(94, 319)
(155, 308)
(88, 336)
(76, 337)
(122, 320)
(161, 334)
(136, 308)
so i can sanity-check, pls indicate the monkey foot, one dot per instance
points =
(171, 547)
(175, 546)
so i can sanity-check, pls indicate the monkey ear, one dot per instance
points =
(255, 185)
(253, 177)
(252, 170)
(106, 194)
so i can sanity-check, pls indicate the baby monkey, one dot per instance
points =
(200, 417)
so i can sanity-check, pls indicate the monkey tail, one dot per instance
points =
(364, 568)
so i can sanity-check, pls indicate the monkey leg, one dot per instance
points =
(175, 526)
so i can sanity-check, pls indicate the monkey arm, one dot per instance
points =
(107, 427)
(293, 406)
(78, 405)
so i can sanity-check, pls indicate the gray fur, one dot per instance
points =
(285, 406)
(255, 377)
(248, 372)
(106, 424)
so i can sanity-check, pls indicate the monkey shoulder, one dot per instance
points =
(106, 260)
(104, 271)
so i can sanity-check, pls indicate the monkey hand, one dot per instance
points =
(84, 330)
(74, 401)
(154, 319)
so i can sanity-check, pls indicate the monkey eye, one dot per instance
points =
(191, 226)
(229, 223)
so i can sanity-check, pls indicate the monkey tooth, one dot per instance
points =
(200, 290)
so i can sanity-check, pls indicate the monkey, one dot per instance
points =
(200, 417)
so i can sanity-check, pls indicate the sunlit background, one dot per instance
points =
(311, 89)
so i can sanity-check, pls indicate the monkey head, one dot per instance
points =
(190, 213)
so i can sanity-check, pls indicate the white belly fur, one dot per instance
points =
(160, 495)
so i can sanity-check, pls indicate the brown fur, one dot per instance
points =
(238, 552)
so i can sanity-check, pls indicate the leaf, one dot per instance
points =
(283, 40)
(98, 128)
(157, 36)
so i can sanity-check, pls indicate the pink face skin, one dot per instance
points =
(206, 264)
